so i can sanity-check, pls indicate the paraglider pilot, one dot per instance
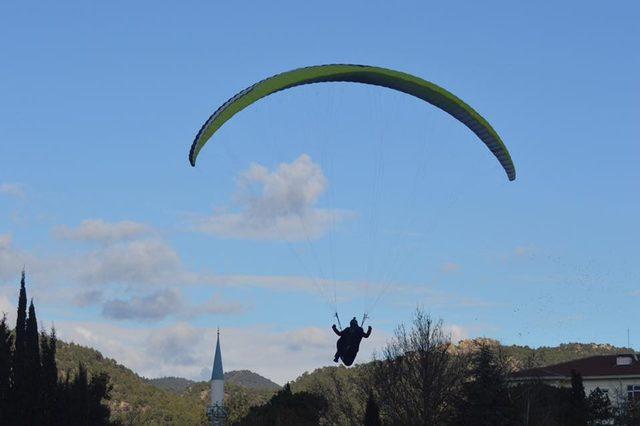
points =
(349, 342)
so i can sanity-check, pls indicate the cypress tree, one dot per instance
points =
(6, 342)
(33, 368)
(49, 378)
(19, 395)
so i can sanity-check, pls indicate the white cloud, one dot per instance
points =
(150, 261)
(5, 241)
(8, 308)
(101, 231)
(456, 332)
(278, 205)
(13, 189)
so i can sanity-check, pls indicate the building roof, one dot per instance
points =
(594, 366)
(217, 373)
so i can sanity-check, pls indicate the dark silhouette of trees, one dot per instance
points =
(49, 378)
(287, 408)
(19, 393)
(485, 394)
(6, 343)
(576, 412)
(32, 369)
(372, 412)
(600, 410)
(31, 392)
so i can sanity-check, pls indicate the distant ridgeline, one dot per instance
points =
(244, 378)
(148, 400)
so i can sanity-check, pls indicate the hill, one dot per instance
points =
(133, 400)
(169, 400)
(179, 401)
(172, 384)
(243, 378)
(249, 379)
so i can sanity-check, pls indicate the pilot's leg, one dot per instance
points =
(339, 346)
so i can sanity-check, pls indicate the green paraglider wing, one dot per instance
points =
(391, 79)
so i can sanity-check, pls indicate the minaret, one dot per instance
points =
(217, 411)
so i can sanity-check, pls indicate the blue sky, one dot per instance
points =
(132, 251)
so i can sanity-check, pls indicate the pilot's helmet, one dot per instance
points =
(354, 322)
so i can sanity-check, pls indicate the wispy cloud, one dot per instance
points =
(521, 251)
(87, 298)
(11, 259)
(450, 267)
(13, 189)
(166, 303)
(101, 231)
(276, 205)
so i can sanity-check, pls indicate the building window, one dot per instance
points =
(633, 392)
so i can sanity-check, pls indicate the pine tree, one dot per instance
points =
(6, 342)
(19, 395)
(486, 394)
(372, 413)
(49, 378)
(33, 368)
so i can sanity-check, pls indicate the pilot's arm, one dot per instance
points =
(368, 333)
(335, 330)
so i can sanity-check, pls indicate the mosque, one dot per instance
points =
(217, 412)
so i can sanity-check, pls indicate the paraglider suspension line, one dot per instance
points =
(364, 318)
(335, 314)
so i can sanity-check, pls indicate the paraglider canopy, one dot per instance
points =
(365, 74)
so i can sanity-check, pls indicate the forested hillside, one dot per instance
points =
(175, 400)
(178, 401)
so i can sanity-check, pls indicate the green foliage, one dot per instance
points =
(238, 399)
(249, 379)
(545, 355)
(172, 384)
(485, 393)
(287, 408)
(133, 400)
(600, 410)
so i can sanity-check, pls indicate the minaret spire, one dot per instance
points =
(217, 411)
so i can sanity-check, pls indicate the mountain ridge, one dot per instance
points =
(244, 378)
(138, 400)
